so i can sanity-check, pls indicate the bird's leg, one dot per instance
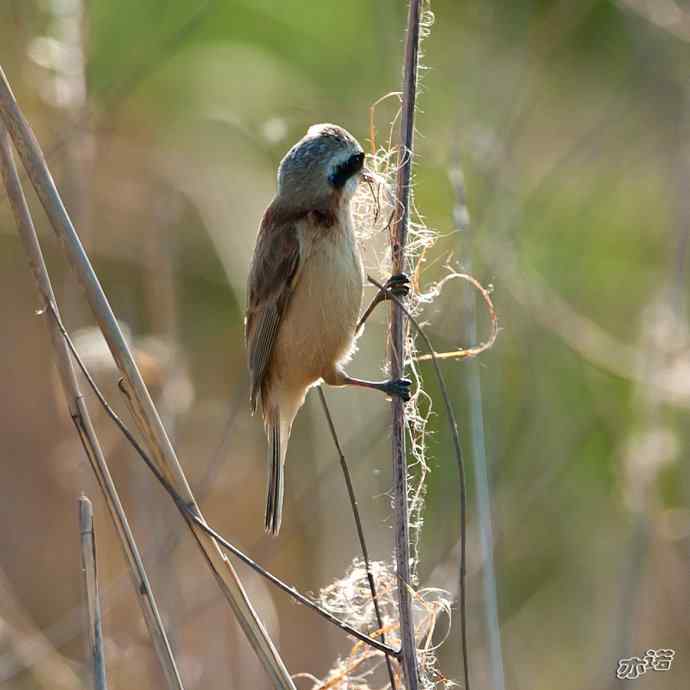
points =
(398, 387)
(397, 285)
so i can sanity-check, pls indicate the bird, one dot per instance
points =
(304, 292)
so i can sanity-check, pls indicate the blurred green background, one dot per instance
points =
(163, 123)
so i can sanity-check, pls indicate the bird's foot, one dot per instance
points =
(398, 285)
(397, 387)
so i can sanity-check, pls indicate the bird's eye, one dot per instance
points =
(346, 170)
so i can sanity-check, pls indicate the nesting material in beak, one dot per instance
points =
(368, 176)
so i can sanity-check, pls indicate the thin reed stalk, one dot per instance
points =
(360, 529)
(457, 447)
(82, 420)
(473, 386)
(203, 526)
(398, 336)
(89, 571)
(143, 409)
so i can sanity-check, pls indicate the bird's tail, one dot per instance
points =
(278, 434)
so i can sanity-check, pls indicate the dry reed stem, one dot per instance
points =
(477, 440)
(398, 238)
(89, 571)
(455, 434)
(80, 415)
(190, 513)
(144, 411)
(419, 239)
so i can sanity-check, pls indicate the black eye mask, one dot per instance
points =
(346, 170)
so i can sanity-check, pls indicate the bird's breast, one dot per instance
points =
(318, 328)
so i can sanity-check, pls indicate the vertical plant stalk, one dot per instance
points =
(398, 335)
(80, 414)
(473, 386)
(143, 409)
(93, 604)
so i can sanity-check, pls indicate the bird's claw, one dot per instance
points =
(398, 285)
(399, 388)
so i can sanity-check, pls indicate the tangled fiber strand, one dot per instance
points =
(374, 208)
(351, 598)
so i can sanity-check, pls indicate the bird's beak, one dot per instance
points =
(368, 176)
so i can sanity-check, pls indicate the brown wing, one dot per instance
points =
(274, 272)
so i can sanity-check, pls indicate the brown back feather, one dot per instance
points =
(274, 272)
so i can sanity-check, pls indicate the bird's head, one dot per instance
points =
(325, 165)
